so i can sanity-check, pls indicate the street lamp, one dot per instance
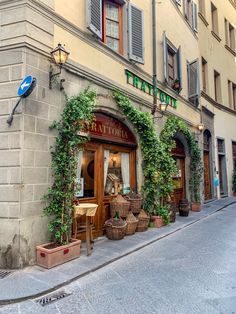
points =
(200, 127)
(162, 108)
(60, 56)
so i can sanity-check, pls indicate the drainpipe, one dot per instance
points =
(154, 56)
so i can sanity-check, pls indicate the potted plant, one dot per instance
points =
(176, 85)
(234, 181)
(161, 215)
(61, 194)
(195, 201)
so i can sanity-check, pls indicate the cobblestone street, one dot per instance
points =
(190, 271)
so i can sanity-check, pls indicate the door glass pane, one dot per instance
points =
(116, 173)
(177, 178)
(85, 174)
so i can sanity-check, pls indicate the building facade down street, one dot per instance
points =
(111, 47)
(217, 20)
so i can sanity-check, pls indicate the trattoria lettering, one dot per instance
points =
(147, 88)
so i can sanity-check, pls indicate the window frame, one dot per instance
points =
(214, 19)
(217, 86)
(120, 27)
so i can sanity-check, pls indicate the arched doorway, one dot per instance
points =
(178, 154)
(106, 167)
(207, 164)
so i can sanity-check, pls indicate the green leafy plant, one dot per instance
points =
(172, 126)
(234, 180)
(76, 117)
(163, 211)
(157, 163)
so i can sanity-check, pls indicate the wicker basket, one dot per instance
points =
(135, 202)
(143, 221)
(120, 205)
(115, 228)
(132, 223)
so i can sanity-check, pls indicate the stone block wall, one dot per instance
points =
(25, 145)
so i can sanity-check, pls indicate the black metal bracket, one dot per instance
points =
(51, 76)
(10, 118)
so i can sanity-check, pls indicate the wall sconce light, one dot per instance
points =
(162, 108)
(60, 56)
(200, 127)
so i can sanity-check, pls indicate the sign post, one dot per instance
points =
(25, 89)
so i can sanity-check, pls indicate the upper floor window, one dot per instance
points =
(190, 12)
(113, 26)
(232, 95)
(204, 75)
(217, 86)
(193, 82)
(229, 35)
(172, 65)
(214, 19)
(202, 7)
(105, 20)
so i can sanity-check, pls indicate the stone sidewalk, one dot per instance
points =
(34, 281)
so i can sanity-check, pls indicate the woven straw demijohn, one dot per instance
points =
(120, 205)
(132, 223)
(143, 221)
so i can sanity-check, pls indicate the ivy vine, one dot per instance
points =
(76, 117)
(157, 163)
(172, 126)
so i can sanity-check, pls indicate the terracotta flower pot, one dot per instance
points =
(49, 255)
(158, 221)
(196, 207)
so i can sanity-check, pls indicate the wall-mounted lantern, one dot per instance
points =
(162, 108)
(60, 56)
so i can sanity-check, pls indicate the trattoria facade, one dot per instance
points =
(106, 166)
(111, 162)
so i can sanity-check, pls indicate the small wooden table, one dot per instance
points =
(89, 210)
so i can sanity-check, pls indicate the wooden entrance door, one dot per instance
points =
(207, 177)
(100, 164)
(179, 179)
(220, 160)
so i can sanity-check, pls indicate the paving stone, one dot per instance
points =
(189, 271)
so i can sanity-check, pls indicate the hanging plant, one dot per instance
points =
(172, 126)
(76, 117)
(157, 163)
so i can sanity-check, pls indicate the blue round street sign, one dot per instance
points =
(26, 86)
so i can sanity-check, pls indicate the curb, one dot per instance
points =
(47, 291)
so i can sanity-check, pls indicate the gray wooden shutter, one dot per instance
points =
(179, 67)
(193, 81)
(94, 11)
(185, 8)
(136, 34)
(165, 56)
(178, 2)
(194, 16)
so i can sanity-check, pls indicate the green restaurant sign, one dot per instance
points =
(147, 88)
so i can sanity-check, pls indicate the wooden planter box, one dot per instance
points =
(196, 207)
(50, 257)
(158, 221)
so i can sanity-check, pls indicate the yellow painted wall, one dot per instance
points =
(214, 52)
(111, 67)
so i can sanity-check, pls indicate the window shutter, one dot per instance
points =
(178, 2)
(165, 56)
(193, 81)
(136, 34)
(179, 67)
(186, 8)
(94, 11)
(194, 16)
